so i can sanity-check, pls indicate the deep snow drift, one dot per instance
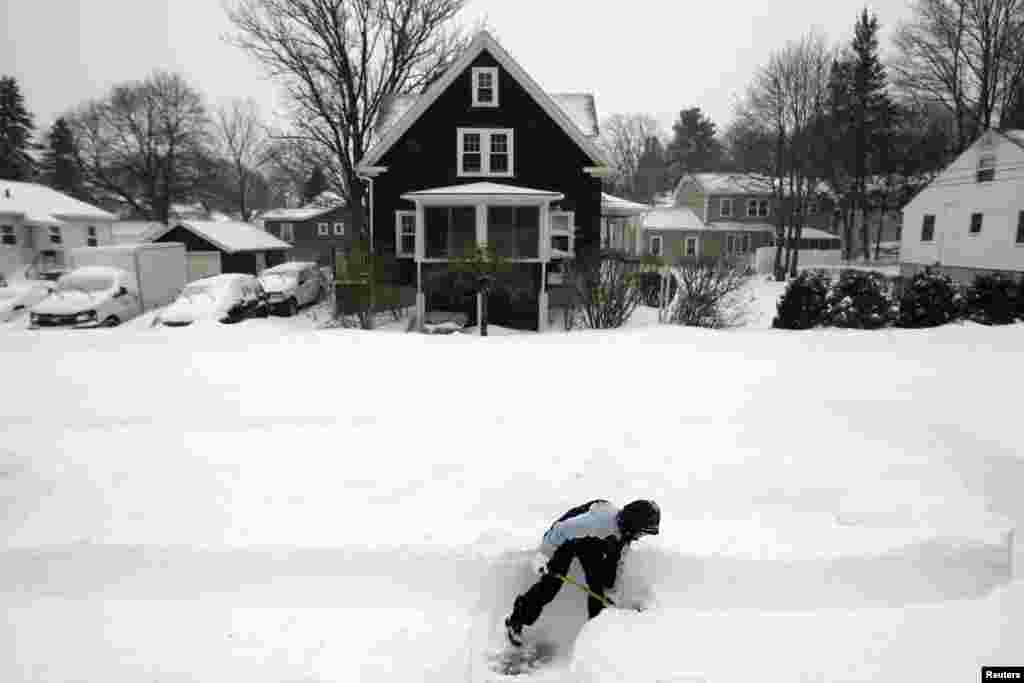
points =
(262, 503)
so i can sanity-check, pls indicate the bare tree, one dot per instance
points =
(967, 55)
(144, 143)
(338, 59)
(625, 138)
(242, 140)
(786, 103)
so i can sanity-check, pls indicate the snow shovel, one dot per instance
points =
(607, 602)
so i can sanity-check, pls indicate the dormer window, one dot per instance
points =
(486, 152)
(485, 86)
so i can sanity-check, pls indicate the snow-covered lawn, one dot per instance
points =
(273, 502)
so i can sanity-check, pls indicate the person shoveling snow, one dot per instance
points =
(596, 533)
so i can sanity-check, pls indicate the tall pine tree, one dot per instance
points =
(16, 129)
(694, 146)
(59, 166)
(869, 104)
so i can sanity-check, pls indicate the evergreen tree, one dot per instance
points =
(16, 129)
(694, 146)
(316, 184)
(869, 104)
(651, 172)
(1013, 117)
(59, 166)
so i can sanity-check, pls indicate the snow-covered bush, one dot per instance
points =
(992, 299)
(930, 299)
(607, 291)
(708, 296)
(802, 305)
(651, 285)
(859, 300)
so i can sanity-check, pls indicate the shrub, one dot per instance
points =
(859, 300)
(607, 291)
(992, 299)
(650, 284)
(707, 295)
(802, 305)
(930, 299)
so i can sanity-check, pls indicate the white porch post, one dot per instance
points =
(421, 300)
(481, 241)
(544, 251)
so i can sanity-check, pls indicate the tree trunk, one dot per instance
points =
(865, 231)
(484, 292)
(878, 234)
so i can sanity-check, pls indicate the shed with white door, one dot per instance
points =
(215, 247)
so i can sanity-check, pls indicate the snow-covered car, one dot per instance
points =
(290, 286)
(227, 298)
(18, 296)
(91, 296)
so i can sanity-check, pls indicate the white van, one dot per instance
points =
(112, 284)
(292, 285)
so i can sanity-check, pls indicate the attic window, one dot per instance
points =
(55, 236)
(986, 168)
(7, 235)
(91, 238)
(485, 86)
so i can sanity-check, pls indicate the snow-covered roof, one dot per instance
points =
(134, 231)
(100, 271)
(230, 236)
(579, 107)
(737, 226)
(672, 218)
(303, 214)
(617, 206)
(40, 204)
(733, 183)
(1015, 135)
(477, 189)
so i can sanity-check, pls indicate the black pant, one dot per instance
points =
(599, 567)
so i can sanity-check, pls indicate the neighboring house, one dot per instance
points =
(621, 223)
(732, 216)
(38, 224)
(316, 233)
(485, 156)
(215, 247)
(970, 219)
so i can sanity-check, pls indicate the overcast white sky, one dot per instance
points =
(653, 56)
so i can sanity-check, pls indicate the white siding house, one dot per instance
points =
(970, 219)
(38, 225)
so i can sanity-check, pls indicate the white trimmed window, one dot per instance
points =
(986, 168)
(655, 248)
(55, 236)
(758, 208)
(485, 86)
(691, 246)
(91, 238)
(7, 236)
(725, 208)
(746, 243)
(486, 152)
(730, 244)
(339, 229)
(405, 234)
(287, 232)
(322, 229)
(562, 230)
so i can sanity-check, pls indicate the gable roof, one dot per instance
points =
(617, 206)
(229, 236)
(578, 105)
(302, 214)
(483, 189)
(40, 204)
(1015, 136)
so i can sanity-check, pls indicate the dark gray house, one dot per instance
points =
(485, 156)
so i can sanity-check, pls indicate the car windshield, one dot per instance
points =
(278, 279)
(84, 283)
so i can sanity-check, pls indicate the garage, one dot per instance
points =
(203, 264)
(215, 247)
